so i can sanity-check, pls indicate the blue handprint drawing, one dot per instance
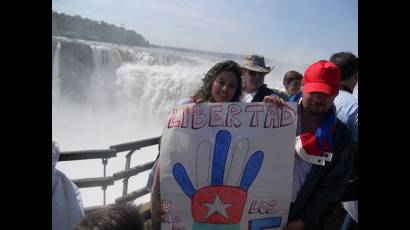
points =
(216, 205)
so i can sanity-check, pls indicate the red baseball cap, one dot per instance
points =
(322, 76)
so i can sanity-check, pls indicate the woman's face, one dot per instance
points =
(224, 87)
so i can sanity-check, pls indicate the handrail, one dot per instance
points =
(105, 181)
(132, 196)
(87, 154)
(135, 145)
(133, 171)
(93, 182)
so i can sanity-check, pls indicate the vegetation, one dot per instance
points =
(84, 28)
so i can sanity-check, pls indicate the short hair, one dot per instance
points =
(205, 91)
(291, 76)
(113, 217)
(348, 64)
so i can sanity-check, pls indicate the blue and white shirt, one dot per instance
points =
(347, 110)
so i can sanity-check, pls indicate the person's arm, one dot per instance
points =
(334, 182)
(280, 94)
(274, 100)
(150, 181)
(156, 211)
(355, 126)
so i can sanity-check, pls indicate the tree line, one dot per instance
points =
(84, 28)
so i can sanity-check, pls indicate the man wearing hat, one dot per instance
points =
(254, 71)
(324, 150)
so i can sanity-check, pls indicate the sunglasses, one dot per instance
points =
(254, 73)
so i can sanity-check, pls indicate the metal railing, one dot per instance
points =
(104, 181)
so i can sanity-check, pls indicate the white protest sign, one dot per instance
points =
(227, 166)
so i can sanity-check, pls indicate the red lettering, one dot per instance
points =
(288, 117)
(252, 209)
(263, 207)
(185, 118)
(215, 117)
(166, 205)
(233, 110)
(173, 122)
(198, 119)
(272, 117)
(255, 109)
(273, 206)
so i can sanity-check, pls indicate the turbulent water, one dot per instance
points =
(105, 94)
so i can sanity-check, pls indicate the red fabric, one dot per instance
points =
(322, 76)
(311, 146)
(234, 196)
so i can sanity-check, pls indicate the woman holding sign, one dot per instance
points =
(222, 83)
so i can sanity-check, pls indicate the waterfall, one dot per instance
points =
(55, 72)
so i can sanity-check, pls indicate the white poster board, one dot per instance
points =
(227, 166)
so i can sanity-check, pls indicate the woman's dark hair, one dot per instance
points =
(205, 91)
(291, 76)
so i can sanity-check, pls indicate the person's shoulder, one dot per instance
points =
(346, 97)
(184, 101)
(347, 100)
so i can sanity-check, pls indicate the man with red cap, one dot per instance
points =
(324, 150)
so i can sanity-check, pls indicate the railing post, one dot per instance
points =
(127, 166)
(104, 188)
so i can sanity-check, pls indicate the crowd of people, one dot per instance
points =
(325, 165)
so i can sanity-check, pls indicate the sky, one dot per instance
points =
(297, 31)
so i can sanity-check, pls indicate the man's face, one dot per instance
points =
(253, 80)
(317, 103)
(293, 87)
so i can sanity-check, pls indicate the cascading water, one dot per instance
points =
(114, 94)
(55, 71)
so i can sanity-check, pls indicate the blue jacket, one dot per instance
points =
(325, 185)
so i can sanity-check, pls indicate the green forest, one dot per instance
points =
(87, 29)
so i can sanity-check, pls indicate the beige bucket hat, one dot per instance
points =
(256, 63)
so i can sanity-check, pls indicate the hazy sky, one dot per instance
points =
(299, 31)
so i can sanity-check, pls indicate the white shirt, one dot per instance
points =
(248, 97)
(301, 168)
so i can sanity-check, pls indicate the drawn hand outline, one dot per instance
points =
(216, 189)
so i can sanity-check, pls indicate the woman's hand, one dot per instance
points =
(156, 209)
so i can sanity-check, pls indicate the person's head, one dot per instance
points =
(292, 82)
(320, 87)
(113, 217)
(222, 83)
(348, 64)
(254, 71)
